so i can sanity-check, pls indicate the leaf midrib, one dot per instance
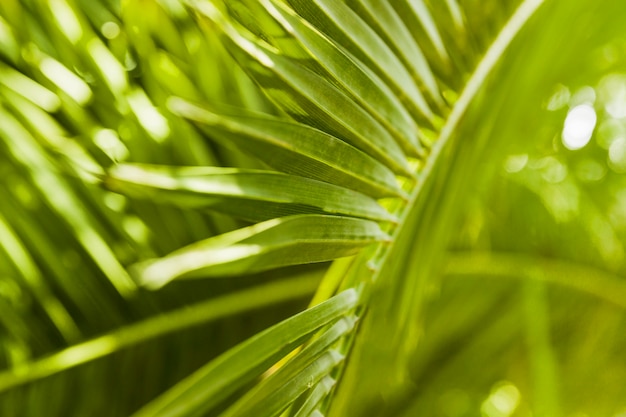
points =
(484, 68)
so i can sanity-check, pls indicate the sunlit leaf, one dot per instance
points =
(339, 22)
(361, 83)
(279, 242)
(470, 283)
(385, 18)
(222, 377)
(318, 393)
(296, 149)
(424, 16)
(250, 194)
(301, 373)
(309, 97)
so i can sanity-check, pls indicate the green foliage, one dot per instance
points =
(441, 182)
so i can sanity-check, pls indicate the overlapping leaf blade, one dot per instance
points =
(105, 87)
(386, 20)
(20, 144)
(424, 16)
(343, 25)
(301, 373)
(365, 86)
(296, 149)
(249, 194)
(228, 373)
(284, 241)
(308, 97)
(316, 396)
(151, 329)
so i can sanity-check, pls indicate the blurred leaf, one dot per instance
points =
(388, 121)
(158, 326)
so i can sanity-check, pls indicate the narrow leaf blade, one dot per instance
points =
(254, 195)
(291, 380)
(365, 86)
(272, 244)
(340, 22)
(396, 33)
(294, 148)
(231, 371)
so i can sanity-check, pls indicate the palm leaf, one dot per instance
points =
(254, 195)
(224, 376)
(289, 240)
(141, 140)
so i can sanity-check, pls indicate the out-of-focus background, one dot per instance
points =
(525, 316)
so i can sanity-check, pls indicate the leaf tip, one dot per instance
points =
(149, 275)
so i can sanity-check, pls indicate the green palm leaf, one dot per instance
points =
(254, 195)
(296, 149)
(284, 241)
(234, 369)
(183, 176)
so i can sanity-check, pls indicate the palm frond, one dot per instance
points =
(176, 168)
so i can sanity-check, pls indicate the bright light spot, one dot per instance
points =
(149, 117)
(515, 163)
(584, 95)
(553, 171)
(502, 402)
(108, 141)
(110, 30)
(129, 62)
(621, 413)
(590, 170)
(579, 125)
(110, 68)
(67, 20)
(115, 202)
(30, 89)
(136, 228)
(617, 155)
(83, 352)
(559, 99)
(257, 52)
(160, 272)
(612, 90)
(609, 130)
(66, 80)
(562, 200)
